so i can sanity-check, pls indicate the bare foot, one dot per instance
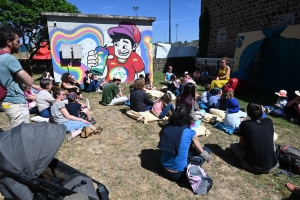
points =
(294, 189)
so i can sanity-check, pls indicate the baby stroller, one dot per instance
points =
(28, 169)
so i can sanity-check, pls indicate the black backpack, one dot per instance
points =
(289, 158)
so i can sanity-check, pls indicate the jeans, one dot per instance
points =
(17, 113)
(75, 125)
(46, 113)
(166, 110)
(33, 110)
(181, 176)
(92, 86)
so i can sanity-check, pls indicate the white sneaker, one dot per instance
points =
(268, 110)
(87, 103)
(295, 121)
(100, 91)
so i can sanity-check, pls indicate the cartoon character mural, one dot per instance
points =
(120, 58)
(123, 50)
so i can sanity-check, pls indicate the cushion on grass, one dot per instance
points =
(210, 118)
(145, 117)
(218, 113)
(157, 94)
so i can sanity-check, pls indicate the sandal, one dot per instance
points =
(98, 131)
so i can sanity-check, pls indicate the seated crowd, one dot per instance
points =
(178, 141)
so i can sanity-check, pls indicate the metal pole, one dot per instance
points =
(135, 8)
(176, 30)
(169, 21)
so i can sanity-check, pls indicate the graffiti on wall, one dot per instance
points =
(126, 51)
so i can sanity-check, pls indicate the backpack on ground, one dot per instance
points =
(289, 158)
(200, 182)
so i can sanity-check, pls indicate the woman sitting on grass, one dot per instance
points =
(139, 100)
(148, 82)
(162, 106)
(60, 115)
(188, 98)
(177, 142)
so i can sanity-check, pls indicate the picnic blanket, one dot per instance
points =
(145, 117)
(157, 94)
(222, 127)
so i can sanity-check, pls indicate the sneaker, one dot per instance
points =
(70, 137)
(295, 121)
(92, 121)
(100, 91)
(87, 103)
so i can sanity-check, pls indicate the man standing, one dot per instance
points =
(12, 76)
(112, 95)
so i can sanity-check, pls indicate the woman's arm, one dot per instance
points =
(147, 101)
(67, 86)
(31, 97)
(66, 114)
(197, 144)
(227, 73)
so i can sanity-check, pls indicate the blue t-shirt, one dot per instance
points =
(213, 101)
(168, 76)
(179, 162)
(73, 108)
(9, 65)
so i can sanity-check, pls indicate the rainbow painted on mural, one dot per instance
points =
(60, 36)
(146, 50)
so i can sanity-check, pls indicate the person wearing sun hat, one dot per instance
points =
(233, 115)
(112, 95)
(292, 108)
(278, 107)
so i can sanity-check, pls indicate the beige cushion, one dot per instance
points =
(210, 118)
(145, 117)
(202, 130)
(217, 112)
(157, 94)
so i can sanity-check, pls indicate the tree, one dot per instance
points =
(204, 26)
(25, 15)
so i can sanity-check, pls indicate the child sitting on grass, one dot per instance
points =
(74, 108)
(173, 85)
(148, 82)
(162, 106)
(277, 108)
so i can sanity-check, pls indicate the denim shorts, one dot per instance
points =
(75, 125)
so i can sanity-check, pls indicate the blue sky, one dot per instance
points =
(185, 13)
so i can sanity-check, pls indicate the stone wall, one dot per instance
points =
(228, 18)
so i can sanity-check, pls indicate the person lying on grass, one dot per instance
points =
(60, 115)
(177, 142)
(75, 109)
(256, 149)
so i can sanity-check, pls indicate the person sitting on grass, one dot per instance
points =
(233, 115)
(292, 108)
(60, 115)
(90, 82)
(44, 99)
(112, 95)
(168, 75)
(75, 109)
(173, 85)
(278, 107)
(148, 82)
(163, 105)
(213, 101)
(197, 75)
(31, 99)
(256, 148)
(177, 142)
(204, 75)
(139, 100)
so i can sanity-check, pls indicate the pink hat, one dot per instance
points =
(281, 93)
(128, 29)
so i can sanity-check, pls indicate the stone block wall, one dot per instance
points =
(228, 18)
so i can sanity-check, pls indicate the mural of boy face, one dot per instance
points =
(123, 48)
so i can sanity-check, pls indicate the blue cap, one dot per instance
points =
(233, 105)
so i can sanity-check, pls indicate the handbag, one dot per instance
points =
(3, 92)
(86, 132)
(32, 104)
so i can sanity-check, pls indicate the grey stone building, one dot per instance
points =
(228, 18)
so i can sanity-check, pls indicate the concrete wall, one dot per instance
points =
(128, 56)
(228, 18)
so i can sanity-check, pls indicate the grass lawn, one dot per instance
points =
(126, 159)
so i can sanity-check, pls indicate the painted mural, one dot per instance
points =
(123, 49)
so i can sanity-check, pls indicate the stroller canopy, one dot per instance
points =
(29, 148)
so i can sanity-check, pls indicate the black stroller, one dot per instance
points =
(28, 169)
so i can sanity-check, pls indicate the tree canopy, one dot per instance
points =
(25, 15)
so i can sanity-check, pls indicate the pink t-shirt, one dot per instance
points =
(157, 107)
(27, 94)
